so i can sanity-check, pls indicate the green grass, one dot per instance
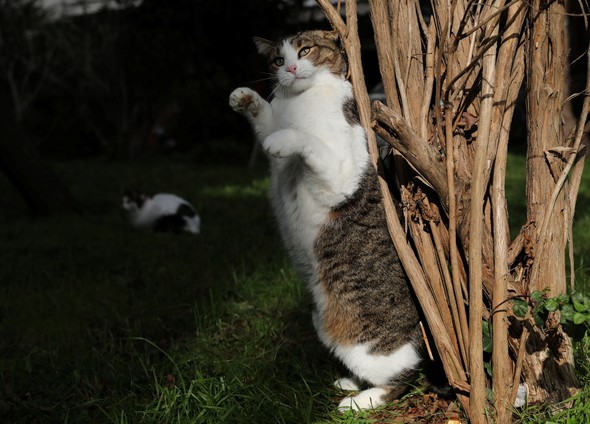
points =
(100, 323)
(103, 323)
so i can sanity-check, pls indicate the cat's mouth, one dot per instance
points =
(295, 79)
(300, 76)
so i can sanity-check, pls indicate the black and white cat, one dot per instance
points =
(326, 198)
(160, 212)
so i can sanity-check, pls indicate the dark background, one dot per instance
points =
(150, 79)
(132, 81)
(97, 84)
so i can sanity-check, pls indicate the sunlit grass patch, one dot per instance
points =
(256, 188)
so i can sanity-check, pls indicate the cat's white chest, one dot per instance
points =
(306, 186)
(317, 111)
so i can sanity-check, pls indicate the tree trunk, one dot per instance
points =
(451, 81)
(549, 368)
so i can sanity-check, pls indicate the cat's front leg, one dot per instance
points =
(246, 101)
(258, 111)
(284, 143)
(289, 142)
(316, 154)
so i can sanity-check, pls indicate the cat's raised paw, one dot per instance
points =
(245, 100)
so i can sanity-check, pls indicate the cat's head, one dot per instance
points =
(296, 61)
(132, 200)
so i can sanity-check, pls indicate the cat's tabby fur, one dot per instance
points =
(327, 201)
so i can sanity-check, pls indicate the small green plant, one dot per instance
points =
(574, 307)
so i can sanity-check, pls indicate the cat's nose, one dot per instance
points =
(292, 69)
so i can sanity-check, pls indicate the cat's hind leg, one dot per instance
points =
(370, 398)
(366, 399)
(347, 384)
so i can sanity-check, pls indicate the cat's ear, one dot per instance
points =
(265, 47)
(332, 36)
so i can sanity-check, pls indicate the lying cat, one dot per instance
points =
(326, 198)
(161, 212)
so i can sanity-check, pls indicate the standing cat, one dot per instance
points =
(326, 198)
(161, 212)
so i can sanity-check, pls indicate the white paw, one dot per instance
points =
(281, 144)
(347, 384)
(521, 396)
(367, 399)
(245, 101)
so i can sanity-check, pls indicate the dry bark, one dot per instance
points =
(451, 82)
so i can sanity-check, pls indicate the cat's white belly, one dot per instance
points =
(334, 150)
(300, 215)
(378, 369)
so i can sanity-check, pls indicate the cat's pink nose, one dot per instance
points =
(292, 69)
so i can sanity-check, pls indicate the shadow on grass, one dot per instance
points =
(80, 296)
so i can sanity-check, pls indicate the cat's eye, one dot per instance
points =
(278, 61)
(304, 51)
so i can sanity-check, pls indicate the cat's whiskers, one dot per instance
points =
(278, 87)
(270, 77)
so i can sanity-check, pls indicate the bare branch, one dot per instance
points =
(418, 152)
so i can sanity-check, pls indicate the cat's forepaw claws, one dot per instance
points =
(245, 101)
(273, 147)
(281, 144)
